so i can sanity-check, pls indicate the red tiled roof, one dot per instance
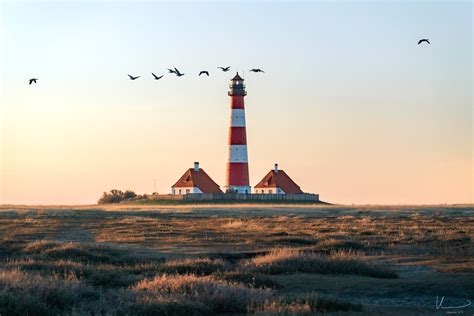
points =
(198, 179)
(279, 180)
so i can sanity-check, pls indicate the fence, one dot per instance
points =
(305, 197)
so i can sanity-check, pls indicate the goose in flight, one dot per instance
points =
(204, 72)
(423, 40)
(179, 74)
(224, 69)
(257, 70)
(32, 80)
(133, 78)
(157, 77)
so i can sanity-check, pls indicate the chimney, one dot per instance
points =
(276, 168)
(196, 166)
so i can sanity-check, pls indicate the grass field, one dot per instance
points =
(261, 259)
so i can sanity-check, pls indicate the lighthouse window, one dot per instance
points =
(236, 82)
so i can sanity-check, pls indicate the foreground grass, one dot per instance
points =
(183, 263)
(52, 278)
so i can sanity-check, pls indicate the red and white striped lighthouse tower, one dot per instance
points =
(237, 178)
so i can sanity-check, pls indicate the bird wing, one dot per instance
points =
(154, 76)
(420, 41)
(428, 42)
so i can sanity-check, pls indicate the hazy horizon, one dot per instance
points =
(349, 105)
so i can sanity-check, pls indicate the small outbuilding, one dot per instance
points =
(277, 182)
(195, 180)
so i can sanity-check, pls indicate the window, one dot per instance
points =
(180, 191)
(237, 82)
(187, 191)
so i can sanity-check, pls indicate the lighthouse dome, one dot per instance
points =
(237, 77)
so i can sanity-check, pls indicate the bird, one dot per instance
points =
(179, 74)
(256, 70)
(224, 69)
(171, 71)
(156, 77)
(423, 40)
(134, 78)
(32, 80)
(204, 72)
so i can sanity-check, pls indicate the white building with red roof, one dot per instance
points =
(277, 182)
(195, 180)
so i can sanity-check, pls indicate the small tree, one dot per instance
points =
(116, 196)
(129, 195)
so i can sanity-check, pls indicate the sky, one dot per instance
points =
(349, 105)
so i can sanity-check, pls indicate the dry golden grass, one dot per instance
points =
(204, 292)
(152, 260)
(288, 260)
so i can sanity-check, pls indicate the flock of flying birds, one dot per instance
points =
(205, 72)
(179, 73)
(172, 71)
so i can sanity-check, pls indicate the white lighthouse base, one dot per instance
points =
(238, 189)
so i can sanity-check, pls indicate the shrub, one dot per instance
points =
(116, 196)
(129, 195)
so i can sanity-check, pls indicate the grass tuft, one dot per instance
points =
(287, 260)
(306, 303)
(207, 294)
(198, 266)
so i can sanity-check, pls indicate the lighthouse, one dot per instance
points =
(237, 177)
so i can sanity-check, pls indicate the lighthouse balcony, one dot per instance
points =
(237, 92)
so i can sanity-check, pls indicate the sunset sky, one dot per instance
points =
(350, 106)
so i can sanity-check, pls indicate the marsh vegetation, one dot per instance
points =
(218, 260)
